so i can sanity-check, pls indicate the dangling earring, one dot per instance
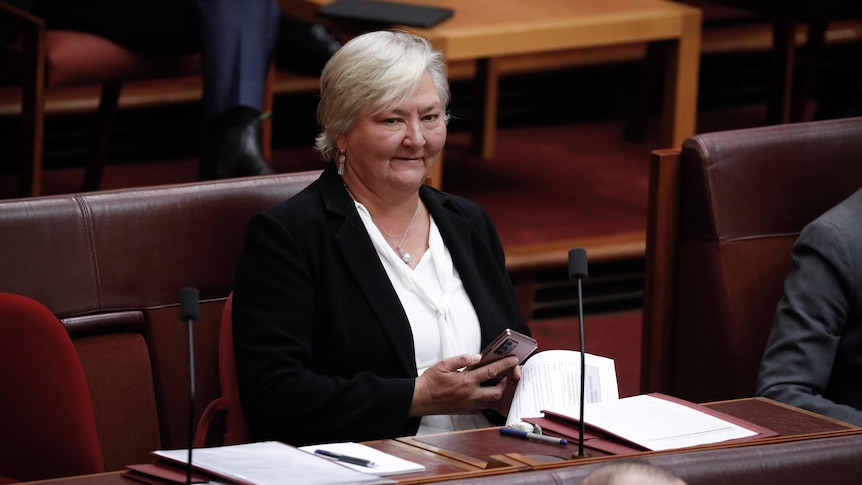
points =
(342, 158)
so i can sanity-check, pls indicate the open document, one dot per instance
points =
(269, 462)
(549, 395)
(552, 380)
(384, 463)
(657, 423)
(651, 422)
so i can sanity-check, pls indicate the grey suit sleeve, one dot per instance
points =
(810, 321)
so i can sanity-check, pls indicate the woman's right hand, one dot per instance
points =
(446, 389)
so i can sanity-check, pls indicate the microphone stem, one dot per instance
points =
(191, 401)
(583, 369)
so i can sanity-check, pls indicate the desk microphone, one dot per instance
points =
(578, 272)
(189, 313)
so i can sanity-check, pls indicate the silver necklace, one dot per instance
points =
(405, 256)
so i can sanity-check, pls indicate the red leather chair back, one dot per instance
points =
(236, 427)
(723, 215)
(228, 404)
(47, 426)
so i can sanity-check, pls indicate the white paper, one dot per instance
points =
(386, 464)
(552, 380)
(269, 463)
(659, 424)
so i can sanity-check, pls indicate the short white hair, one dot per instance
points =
(632, 472)
(370, 74)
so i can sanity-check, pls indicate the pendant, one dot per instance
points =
(405, 256)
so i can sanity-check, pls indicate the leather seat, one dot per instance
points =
(227, 406)
(47, 421)
(723, 214)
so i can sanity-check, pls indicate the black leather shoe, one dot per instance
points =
(303, 48)
(232, 146)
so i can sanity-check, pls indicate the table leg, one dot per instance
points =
(679, 114)
(435, 177)
(650, 82)
(485, 99)
(783, 60)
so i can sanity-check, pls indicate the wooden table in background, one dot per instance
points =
(486, 30)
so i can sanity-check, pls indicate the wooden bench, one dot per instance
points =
(140, 94)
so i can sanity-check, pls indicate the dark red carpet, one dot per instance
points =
(614, 335)
(555, 182)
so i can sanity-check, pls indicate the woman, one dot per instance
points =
(358, 301)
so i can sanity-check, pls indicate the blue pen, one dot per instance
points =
(533, 436)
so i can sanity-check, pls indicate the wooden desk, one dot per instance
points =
(485, 30)
(484, 456)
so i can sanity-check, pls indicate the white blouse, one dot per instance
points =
(441, 315)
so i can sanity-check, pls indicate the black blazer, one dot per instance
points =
(323, 346)
(813, 358)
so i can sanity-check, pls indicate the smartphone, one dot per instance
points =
(507, 343)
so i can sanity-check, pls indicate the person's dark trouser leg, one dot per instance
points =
(237, 43)
(235, 39)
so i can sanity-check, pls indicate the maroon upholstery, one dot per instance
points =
(80, 58)
(47, 422)
(124, 398)
(227, 406)
(718, 256)
(110, 265)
